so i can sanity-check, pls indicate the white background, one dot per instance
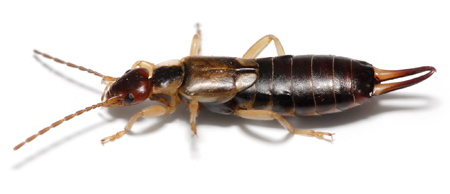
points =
(397, 143)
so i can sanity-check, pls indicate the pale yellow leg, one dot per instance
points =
(108, 79)
(261, 44)
(193, 109)
(196, 42)
(144, 64)
(106, 89)
(153, 111)
(270, 115)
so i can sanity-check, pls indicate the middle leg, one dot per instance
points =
(196, 44)
(194, 110)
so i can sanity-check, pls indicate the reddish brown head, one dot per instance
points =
(132, 88)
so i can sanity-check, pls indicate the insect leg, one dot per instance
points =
(144, 64)
(196, 44)
(108, 85)
(152, 111)
(193, 109)
(270, 115)
(261, 44)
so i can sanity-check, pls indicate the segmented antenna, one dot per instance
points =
(107, 103)
(104, 77)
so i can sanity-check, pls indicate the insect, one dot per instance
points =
(249, 87)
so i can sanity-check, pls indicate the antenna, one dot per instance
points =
(107, 103)
(104, 77)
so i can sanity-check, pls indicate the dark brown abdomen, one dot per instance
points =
(308, 85)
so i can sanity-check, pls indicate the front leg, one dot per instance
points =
(144, 64)
(153, 111)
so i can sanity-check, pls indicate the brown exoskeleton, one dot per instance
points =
(261, 89)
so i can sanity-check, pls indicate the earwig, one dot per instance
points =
(248, 87)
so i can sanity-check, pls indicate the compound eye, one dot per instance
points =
(129, 98)
(127, 71)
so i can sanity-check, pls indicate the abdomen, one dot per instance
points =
(307, 85)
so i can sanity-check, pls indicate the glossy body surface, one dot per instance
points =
(248, 87)
(304, 85)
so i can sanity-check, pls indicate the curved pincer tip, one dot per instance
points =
(384, 75)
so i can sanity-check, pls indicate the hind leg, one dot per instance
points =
(270, 115)
(261, 44)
